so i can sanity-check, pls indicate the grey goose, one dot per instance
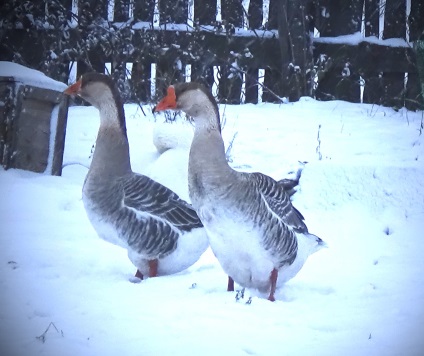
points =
(257, 235)
(162, 233)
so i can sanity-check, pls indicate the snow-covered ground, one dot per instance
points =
(64, 291)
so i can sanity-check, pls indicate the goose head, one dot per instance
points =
(195, 100)
(100, 91)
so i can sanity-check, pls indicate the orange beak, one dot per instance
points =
(73, 89)
(168, 102)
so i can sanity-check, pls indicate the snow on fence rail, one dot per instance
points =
(150, 44)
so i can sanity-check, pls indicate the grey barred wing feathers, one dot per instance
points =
(147, 195)
(279, 201)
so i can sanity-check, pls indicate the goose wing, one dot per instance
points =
(148, 196)
(279, 201)
(152, 216)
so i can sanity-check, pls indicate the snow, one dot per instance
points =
(357, 37)
(241, 32)
(28, 76)
(64, 291)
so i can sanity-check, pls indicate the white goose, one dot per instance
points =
(258, 237)
(162, 233)
(172, 140)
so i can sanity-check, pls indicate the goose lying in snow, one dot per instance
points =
(172, 135)
(258, 237)
(172, 140)
(162, 233)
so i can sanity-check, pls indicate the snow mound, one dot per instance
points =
(170, 135)
(379, 187)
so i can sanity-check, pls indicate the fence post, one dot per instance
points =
(230, 82)
(143, 10)
(273, 79)
(173, 11)
(232, 12)
(251, 85)
(272, 23)
(372, 17)
(416, 20)
(373, 88)
(90, 11)
(205, 12)
(255, 18)
(415, 87)
(394, 27)
(295, 49)
(341, 79)
(121, 10)
(255, 14)
(141, 80)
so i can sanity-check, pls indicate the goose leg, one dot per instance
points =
(153, 268)
(138, 274)
(273, 279)
(230, 287)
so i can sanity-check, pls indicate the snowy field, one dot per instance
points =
(66, 292)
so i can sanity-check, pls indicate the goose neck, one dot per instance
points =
(111, 155)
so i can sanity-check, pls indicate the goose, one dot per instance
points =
(258, 236)
(161, 232)
(172, 141)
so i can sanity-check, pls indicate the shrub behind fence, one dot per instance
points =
(169, 37)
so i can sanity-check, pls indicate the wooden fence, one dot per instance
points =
(249, 43)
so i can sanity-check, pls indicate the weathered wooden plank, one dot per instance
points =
(294, 41)
(394, 27)
(416, 20)
(373, 89)
(25, 127)
(255, 14)
(205, 12)
(143, 10)
(369, 57)
(372, 17)
(141, 80)
(251, 86)
(7, 112)
(414, 99)
(338, 17)
(41, 94)
(272, 86)
(90, 11)
(173, 11)
(369, 61)
(341, 83)
(32, 134)
(202, 73)
(272, 23)
(395, 19)
(394, 90)
(121, 10)
(340, 80)
(212, 49)
(170, 61)
(264, 52)
(229, 88)
(59, 141)
(232, 12)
